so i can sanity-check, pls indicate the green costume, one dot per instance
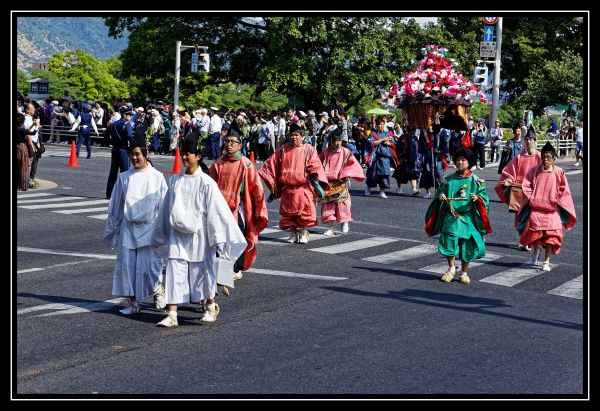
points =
(460, 223)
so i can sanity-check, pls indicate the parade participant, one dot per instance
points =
(121, 136)
(240, 185)
(509, 185)
(547, 207)
(339, 165)
(409, 161)
(433, 146)
(459, 213)
(132, 213)
(84, 123)
(293, 173)
(381, 148)
(194, 224)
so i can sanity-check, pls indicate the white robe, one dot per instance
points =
(194, 217)
(132, 213)
(194, 220)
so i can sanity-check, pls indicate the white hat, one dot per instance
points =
(311, 113)
(324, 114)
(140, 109)
(390, 124)
(55, 102)
(302, 113)
(214, 109)
(242, 114)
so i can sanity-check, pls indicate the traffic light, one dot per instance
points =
(480, 77)
(204, 63)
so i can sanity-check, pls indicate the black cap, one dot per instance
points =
(139, 140)
(190, 144)
(296, 128)
(336, 135)
(548, 148)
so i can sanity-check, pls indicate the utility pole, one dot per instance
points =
(496, 86)
(178, 48)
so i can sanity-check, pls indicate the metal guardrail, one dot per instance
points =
(62, 133)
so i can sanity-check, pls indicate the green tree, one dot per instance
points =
(555, 82)
(87, 75)
(315, 58)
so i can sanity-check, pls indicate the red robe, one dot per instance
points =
(229, 175)
(546, 207)
(286, 173)
(335, 170)
(515, 170)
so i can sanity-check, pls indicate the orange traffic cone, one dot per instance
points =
(252, 156)
(73, 160)
(177, 163)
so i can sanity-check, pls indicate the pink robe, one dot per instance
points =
(286, 174)
(546, 193)
(336, 170)
(516, 169)
(229, 175)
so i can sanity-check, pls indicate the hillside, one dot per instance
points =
(38, 38)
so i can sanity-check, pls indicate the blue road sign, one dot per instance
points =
(488, 33)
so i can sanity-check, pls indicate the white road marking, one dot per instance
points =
(514, 276)
(574, 172)
(571, 289)
(58, 252)
(47, 200)
(354, 245)
(290, 274)
(401, 255)
(29, 270)
(32, 195)
(99, 216)
(81, 210)
(442, 267)
(76, 204)
(269, 230)
(74, 307)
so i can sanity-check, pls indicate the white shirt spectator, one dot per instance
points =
(579, 134)
(216, 123)
(28, 125)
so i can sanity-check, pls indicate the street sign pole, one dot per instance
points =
(496, 85)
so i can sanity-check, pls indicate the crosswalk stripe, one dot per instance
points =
(442, 267)
(300, 275)
(99, 216)
(76, 204)
(574, 172)
(401, 255)
(59, 252)
(80, 210)
(32, 195)
(513, 276)
(47, 200)
(269, 230)
(571, 289)
(354, 245)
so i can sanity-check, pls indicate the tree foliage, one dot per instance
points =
(319, 58)
(87, 78)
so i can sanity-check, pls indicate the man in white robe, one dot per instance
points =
(195, 223)
(132, 213)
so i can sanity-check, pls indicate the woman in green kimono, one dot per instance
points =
(459, 213)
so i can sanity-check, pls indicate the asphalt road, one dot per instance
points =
(356, 315)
